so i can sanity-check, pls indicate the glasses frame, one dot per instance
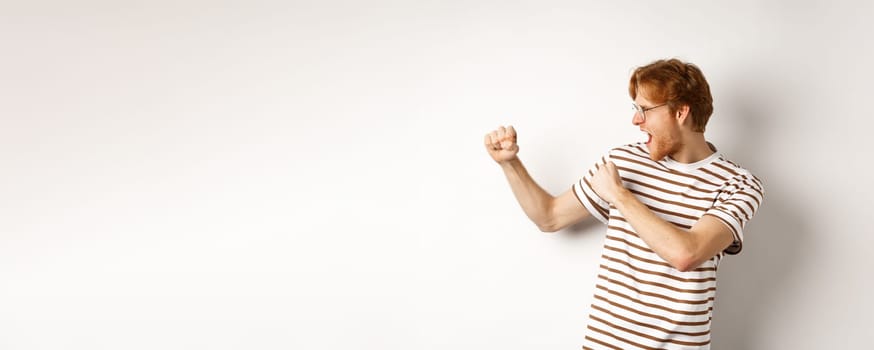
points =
(642, 111)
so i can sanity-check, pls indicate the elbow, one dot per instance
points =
(548, 225)
(684, 266)
(686, 256)
(548, 228)
(684, 262)
(547, 222)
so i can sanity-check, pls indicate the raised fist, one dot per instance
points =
(501, 144)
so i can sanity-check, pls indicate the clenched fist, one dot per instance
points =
(607, 183)
(501, 144)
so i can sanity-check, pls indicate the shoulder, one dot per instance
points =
(635, 149)
(735, 173)
(639, 147)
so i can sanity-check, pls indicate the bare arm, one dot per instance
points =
(549, 213)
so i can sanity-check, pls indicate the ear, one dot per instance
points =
(682, 114)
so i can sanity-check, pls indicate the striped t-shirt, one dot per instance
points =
(640, 300)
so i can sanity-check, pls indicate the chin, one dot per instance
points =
(659, 149)
(656, 156)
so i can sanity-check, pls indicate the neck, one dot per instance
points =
(694, 149)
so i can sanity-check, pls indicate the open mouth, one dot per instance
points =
(648, 137)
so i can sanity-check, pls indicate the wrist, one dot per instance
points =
(511, 163)
(623, 197)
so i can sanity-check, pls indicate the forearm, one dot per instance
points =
(535, 201)
(674, 245)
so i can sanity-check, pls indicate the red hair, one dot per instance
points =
(676, 83)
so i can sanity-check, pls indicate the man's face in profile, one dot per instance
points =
(663, 131)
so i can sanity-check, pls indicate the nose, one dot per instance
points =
(637, 119)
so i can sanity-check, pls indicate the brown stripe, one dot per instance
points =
(619, 218)
(660, 263)
(643, 154)
(656, 273)
(573, 189)
(667, 170)
(640, 247)
(670, 171)
(672, 213)
(645, 158)
(729, 170)
(723, 203)
(594, 205)
(736, 212)
(748, 184)
(611, 335)
(700, 269)
(720, 177)
(733, 163)
(676, 183)
(650, 326)
(614, 347)
(755, 196)
(646, 314)
(708, 199)
(664, 286)
(647, 336)
(642, 150)
(739, 209)
(654, 306)
(748, 202)
(617, 228)
(759, 181)
(656, 295)
(757, 187)
(679, 204)
(701, 179)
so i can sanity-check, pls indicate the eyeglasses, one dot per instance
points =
(642, 110)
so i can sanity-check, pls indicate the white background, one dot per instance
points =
(311, 175)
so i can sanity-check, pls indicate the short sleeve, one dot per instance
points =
(598, 207)
(736, 205)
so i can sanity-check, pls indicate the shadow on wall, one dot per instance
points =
(585, 226)
(753, 280)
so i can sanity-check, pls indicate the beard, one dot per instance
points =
(664, 145)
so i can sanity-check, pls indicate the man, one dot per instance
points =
(673, 208)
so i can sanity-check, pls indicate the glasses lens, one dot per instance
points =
(638, 110)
